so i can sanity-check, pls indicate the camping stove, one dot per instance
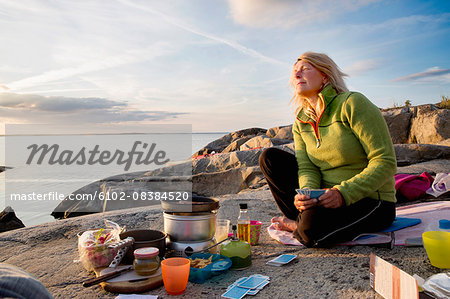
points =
(190, 228)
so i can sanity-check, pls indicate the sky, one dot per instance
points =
(219, 65)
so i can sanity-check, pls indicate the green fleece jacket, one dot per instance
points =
(350, 149)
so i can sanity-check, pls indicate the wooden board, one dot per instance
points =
(131, 287)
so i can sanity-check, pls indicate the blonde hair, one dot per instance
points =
(326, 66)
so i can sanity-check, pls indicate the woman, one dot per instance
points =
(342, 145)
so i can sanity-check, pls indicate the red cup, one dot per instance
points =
(175, 273)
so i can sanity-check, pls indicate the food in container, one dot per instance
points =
(93, 247)
(219, 264)
(146, 261)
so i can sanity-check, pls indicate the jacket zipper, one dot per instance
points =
(316, 126)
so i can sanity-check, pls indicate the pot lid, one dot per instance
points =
(197, 204)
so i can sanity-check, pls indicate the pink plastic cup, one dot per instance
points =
(255, 230)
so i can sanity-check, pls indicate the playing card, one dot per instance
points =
(313, 193)
(235, 293)
(252, 282)
(259, 288)
(259, 275)
(236, 282)
(282, 259)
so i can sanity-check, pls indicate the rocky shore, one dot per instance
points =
(227, 169)
(48, 252)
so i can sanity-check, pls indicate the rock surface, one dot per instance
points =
(419, 124)
(220, 144)
(48, 252)
(398, 121)
(9, 220)
(226, 173)
(429, 125)
(408, 154)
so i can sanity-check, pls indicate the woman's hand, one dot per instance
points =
(332, 199)
(303, 202)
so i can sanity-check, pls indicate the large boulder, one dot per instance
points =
(119, 192)
(432, 167)
(225, 161)
(9, 220)
(235, 145)
(220, 144)
(429, 124)
(231, 181)
(262, 141)
(408, 154)
(273, 132)
(285, 133)
(398, 122)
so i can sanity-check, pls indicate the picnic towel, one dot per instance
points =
(428, 213)
(440, 185)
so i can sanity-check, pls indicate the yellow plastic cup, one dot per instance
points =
(437, 245)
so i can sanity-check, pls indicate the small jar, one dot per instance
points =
(146, 261)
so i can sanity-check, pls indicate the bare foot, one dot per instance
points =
(283, 223)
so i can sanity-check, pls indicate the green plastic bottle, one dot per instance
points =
(238, 251)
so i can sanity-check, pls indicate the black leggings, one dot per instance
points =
(319, 226)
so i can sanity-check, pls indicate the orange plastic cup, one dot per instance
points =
(175, 273)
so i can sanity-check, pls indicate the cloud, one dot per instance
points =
(361, 67)
(62, 109)
(128, 57)
(55, 104)
(434, 73)
(14, 69)
(287, 13)
(186, 27)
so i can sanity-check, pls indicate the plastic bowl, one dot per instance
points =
(437, 245)
(220, 264)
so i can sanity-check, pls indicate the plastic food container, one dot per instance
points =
(93, 247)
(437, 245)
(220, 264)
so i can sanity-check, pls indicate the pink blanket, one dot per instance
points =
(429, 213)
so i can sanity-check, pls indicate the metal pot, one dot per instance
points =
(179, 248)
(198, 227)
(144, 238)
